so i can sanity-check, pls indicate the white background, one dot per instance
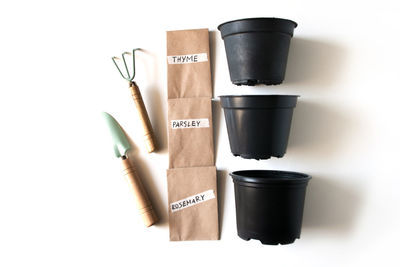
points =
(63, 200)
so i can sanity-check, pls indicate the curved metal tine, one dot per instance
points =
(130, 78)
(116, 65)
(133, 63)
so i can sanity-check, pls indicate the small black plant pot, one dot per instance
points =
(258, 125)
(257, 49)
(269, 205)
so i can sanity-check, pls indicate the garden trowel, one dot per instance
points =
(121, 148)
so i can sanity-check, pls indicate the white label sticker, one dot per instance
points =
(186, 59)
(192, 200)
(190, 123)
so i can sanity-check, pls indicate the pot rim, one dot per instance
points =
(258, 101)
(257, 18)
(279, 176)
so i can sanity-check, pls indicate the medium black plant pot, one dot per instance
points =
(258, 125)
(257, 49)
(269, 205)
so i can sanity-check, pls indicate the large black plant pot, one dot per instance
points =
(258, 125)
(269, 205)
(257, 49)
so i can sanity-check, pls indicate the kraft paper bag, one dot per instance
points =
(188, 61)
(192, 182)
(190, 132)
(192, 203)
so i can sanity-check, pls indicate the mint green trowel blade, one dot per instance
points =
(121, 143)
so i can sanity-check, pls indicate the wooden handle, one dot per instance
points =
(142, 200)
(144, 118)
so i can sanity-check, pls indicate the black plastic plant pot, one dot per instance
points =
(257, 49)
(258, 125)
(269, 205)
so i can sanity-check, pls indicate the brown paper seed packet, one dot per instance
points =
(190, 132)
(192, 203)
(188, 64)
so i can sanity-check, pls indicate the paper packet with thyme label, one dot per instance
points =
(188, 64)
